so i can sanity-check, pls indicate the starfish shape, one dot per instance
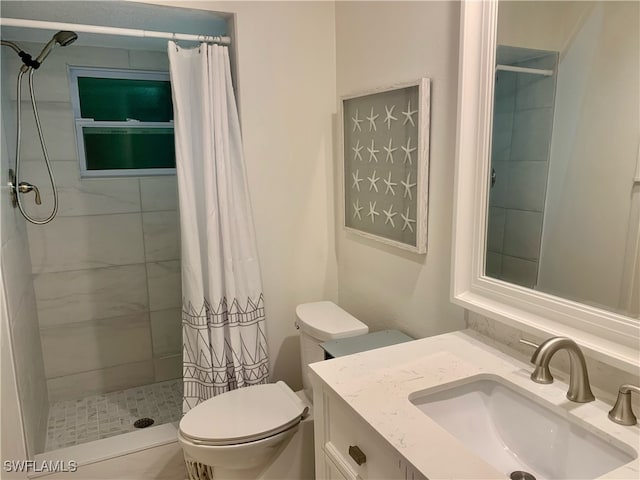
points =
(409, 115)
(407, 152)
(356, 151)
(356, 180)
(372, 152)
(389, 151)
(356, 122)
(356, 209)
(373, 180)
(407, 221)
(372, 212)
(390, 214)
(387, 181)
(389, 116)
(408, 186)
(372, 121)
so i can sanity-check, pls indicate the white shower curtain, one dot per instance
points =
(223, 323)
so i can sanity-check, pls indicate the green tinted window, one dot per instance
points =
(117, 99)
(116, 148)
(124, 121)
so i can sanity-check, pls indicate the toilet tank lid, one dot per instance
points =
(327, 321)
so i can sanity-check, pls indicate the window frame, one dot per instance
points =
(74, 73)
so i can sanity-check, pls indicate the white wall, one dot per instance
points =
(21, 320)
(286, 84)
(593, 160)
(378, 44)
(551, 25)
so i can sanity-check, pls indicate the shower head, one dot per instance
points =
(62, 38)
(65, 37)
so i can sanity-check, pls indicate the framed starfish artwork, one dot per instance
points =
(385, 150)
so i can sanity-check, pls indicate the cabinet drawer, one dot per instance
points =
(333, 472)
(358, 449)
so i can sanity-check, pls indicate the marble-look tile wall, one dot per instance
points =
(106, 271)
(23, 346)
(523, 120)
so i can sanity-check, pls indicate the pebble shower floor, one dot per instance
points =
(72, 422)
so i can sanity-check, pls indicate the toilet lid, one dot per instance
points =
(243, 415)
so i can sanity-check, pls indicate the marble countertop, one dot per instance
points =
(377, 385)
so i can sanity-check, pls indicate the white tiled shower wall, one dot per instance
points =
(22, 327)
(106, 271)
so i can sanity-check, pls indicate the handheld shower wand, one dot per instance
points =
(62, 38)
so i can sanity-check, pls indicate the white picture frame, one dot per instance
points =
(384, 150)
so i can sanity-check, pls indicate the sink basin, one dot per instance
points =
(500, 423)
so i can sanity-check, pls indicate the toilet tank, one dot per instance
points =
(319, 322)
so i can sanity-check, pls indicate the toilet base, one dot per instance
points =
(197, 470)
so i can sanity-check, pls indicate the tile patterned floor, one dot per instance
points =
(72, 422)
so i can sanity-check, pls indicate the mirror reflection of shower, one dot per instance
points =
(30, 65)
(524, 102)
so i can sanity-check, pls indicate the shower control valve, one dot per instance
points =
(26, 187)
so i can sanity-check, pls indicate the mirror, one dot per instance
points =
(563, 212)
(607, 329)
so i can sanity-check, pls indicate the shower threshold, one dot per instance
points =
(95, 417)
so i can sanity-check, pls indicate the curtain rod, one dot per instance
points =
(116, 31)
(535, 71)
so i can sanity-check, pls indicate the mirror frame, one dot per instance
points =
(603, 335)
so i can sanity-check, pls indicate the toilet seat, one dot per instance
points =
(243, 415)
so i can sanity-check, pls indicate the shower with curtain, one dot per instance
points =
(101, 283)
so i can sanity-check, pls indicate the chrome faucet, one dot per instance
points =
(579, 388)
(622, 412)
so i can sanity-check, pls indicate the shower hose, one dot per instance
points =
(17, 184)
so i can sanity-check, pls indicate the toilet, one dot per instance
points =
(264, 431)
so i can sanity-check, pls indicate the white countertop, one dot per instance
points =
(377, 385)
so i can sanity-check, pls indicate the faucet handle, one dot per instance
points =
(528, 343)
(26, 187)
(622, 412)
(541, 374)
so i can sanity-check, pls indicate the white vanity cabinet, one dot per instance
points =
(347, 447)
(372, 403)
